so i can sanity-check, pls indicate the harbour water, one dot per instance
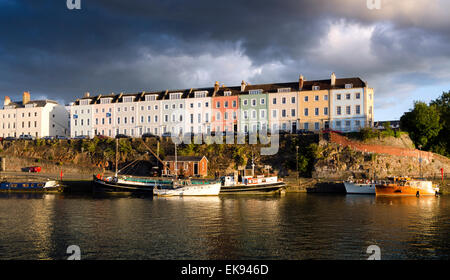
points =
(291, 226)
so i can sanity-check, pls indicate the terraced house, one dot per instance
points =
(339, 104)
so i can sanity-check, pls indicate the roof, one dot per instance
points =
(235, 90)
(39, 103)
(184, 158)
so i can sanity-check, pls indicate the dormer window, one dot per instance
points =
(150, 97)
(284, 90)
(255, 91)
(31, 105)
(85, 102)
(316, 87)
(105, 100)
(201, 94)
(348, 85)
(176, 95)
(227, 93)
(128, 99)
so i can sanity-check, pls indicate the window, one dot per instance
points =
(338, 110)
(358, 109)
(347, 123)
(284, 90)
(255, 91)
(253, 102)
(218, 104)
(245, 102)
(338, 123)
(128, 99)
(199, 104)
(234, 115)
(283, 100)
(166, 107)
(306, 126)
(262, 101)
(200, 94)
(348, 110)
(338, 97)
(358, 123)
(325, 97)
(274, 113)
(293, 100)
(166, 118)
(225, 116)
(316, 98)
(316, 88)
(105, 100)
(150, 97)
(176, 95)
(325, 111)
(227, 93)
(316, 111)
(245, 115)
(306, 98)
(292, 112)
(283, 113)
(225, 104)
(262, 114)
(348, 85)
(234, 104)
(316, 126)
(357, 95)
(306, 111)
(218, 116)
(192, 118)
(274, 101)
(253, 114)
(348, 96)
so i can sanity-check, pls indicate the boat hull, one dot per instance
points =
(48, 186)
(104, 186)
(396, 190)
(253, 189)
(190, 190)
(355, 188)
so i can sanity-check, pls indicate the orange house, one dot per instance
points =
(225, 110)
(188, 166)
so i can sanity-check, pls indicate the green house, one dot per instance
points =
(253, 110)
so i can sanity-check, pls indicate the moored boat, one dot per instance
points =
(251, 185)
(364, 187)
(403, 186)
(31, 186)
(189, 188)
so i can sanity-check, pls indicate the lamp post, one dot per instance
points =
(296, 147)
(420, 160)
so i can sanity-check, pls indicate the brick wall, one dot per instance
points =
(382, 149)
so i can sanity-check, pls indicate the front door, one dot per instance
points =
(294, 127)
(195, 168)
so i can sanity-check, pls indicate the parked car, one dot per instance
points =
(81, 137)
(149, 135)
(61, 137)
(47, 138)
(122, 136)
(10, 138)
(26, 137)
(167, 134)
(36, 169)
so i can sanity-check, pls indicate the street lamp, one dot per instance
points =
(296, 147)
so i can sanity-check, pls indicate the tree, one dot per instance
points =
(442, 142)
(422, 123)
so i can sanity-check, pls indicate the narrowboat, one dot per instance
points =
(31, 186)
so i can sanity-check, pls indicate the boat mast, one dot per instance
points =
(117, 154)
(175, 168)
(253, 165)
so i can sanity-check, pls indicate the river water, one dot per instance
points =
(291, 226)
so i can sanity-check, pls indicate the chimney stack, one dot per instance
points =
(243, 86)
(7, 101)
(87, 94)
(216, 87)
(333, 79)
(25, 97)
(301, 81)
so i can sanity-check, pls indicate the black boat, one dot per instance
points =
(252, 185)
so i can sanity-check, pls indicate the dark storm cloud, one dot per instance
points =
(116, 45)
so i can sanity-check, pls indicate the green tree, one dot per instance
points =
(422, 123)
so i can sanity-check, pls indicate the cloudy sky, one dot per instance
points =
(401, 50)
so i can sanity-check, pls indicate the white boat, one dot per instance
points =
(187, 188)
(252, 185)
(359, 187)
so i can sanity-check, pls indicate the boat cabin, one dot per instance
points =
(187, 166)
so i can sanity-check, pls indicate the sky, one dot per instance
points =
(401, 50)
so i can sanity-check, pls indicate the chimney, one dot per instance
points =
(87, 94)
(301, 80)
(7, 101)
(216, 87)
(242, 86)
(25, 97)
(333, 79)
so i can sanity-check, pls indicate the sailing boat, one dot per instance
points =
(156, 186)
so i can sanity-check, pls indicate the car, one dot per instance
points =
(167, 134)
(33, 169)
(26, 137)
(149, 135)
(47, 138)
(122, 136)
(81, 137)
(61, 137)
(10, 138)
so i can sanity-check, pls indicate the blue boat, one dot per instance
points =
(31, 186)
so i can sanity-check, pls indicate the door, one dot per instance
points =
(294, 127)
(195, 168)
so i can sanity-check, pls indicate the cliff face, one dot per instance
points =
(340, 158)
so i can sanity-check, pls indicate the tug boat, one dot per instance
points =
(31, 186)
(124, 184)
(251, 185)
(404, 186)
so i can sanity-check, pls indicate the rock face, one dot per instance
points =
(341, 158)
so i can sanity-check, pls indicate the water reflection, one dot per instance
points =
(294, 226)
